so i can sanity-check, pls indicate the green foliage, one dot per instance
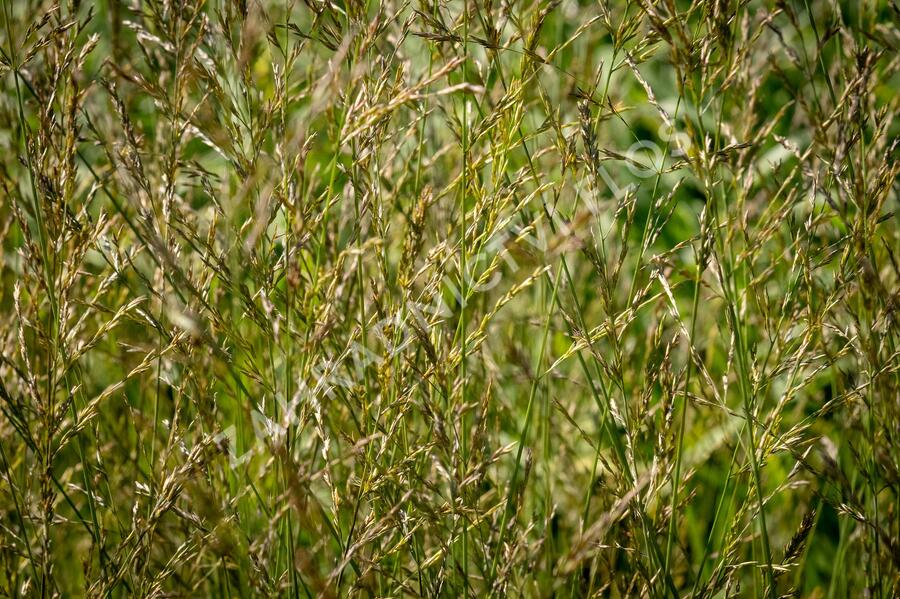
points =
(452, 298)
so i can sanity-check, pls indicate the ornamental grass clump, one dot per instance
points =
(449, 298)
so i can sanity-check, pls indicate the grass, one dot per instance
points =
(462, 298)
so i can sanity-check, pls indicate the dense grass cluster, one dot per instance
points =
(450, 298)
